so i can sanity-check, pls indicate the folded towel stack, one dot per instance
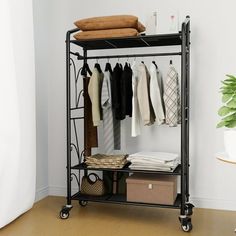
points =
(159, 161)
(108, 27)
(106, 161)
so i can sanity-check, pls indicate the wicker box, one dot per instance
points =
(149, 188)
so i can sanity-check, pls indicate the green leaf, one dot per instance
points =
(230, 117)
(226, 97)
(231, 124)
(227, 90)
(223, 111)
(230, 80)
(231, 77)
(231, 103)
(228, 83)
(221, 124)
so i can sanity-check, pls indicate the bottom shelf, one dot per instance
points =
(121, 199)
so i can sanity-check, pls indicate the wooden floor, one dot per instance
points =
(113, 220)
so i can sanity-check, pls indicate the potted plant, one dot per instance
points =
(228, 115)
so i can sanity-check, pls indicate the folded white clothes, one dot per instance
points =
(158, 164)
(157, 168)
(157, 161)
(162, 157)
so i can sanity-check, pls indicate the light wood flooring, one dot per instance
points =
(112, 220)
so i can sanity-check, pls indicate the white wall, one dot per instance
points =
(212, 56)
(42, 20)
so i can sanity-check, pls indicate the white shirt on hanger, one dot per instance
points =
(155, 94)
(136, 116)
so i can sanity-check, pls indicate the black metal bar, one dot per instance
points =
(76, 136)
(121, 199)
(77, 152)
(77, 118)
(76, 108)
(68, 115)
(83, 166)
(130, 55)
(187, 104)
(85, 120)
(75, 54)
(183, 121)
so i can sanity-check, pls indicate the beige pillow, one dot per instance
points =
(110, 22)
(111, 33)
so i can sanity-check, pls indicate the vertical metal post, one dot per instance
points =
(87, 152)
(187, 104)
(68, 116)
(183, 119)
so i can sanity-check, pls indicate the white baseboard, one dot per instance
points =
(59, 191)
(219, 204)
(208, 203)
(41, 193)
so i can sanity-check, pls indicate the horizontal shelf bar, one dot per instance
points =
(83, 166)
(121, 199)
(77, 118)
(76, 108)
(79, 57)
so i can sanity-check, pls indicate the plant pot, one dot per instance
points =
(230, 143)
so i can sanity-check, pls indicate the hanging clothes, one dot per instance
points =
(116, 91)
(91, 139)
(155, 94)
(94, 90)
(172, 98)
(111, 126)
(126, 91)
(108, 130)
(143, 93)
(136, 116)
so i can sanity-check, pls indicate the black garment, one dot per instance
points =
(126, 91)
(116, 91)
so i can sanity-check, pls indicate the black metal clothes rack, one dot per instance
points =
(181, 39)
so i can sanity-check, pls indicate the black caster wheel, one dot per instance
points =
(64, 214)
(189, 209)
(187, 227)
(83, 203)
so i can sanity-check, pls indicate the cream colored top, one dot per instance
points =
(94, 91)
(155, 94)
(143, 93)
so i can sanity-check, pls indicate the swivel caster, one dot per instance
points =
(83, 203)
(186, 224)
(188, 227)
(64, 214)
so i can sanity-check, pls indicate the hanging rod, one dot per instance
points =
(79, 57)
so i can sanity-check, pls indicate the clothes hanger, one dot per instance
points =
(108, 67)
(86, 69)
(155, 64)
(98, 67)
(171, 63)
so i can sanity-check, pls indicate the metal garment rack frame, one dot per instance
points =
(182, 39)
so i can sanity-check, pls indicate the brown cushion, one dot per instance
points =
(140, 27)
(111, 33)
(109, 22)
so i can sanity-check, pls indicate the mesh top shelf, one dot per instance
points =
(131, 42)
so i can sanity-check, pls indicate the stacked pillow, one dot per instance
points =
(108, 27)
